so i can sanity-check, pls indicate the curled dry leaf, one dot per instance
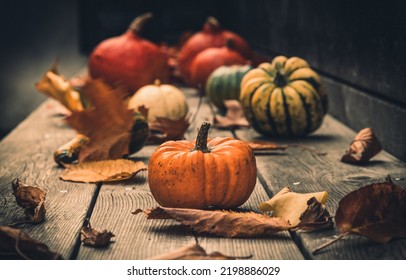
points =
(222, 223)
(102, 171)
(93, 237)
(290, 205)
(16, 242)
(315, 217)
(376, 211)
(31, 199)
(164, 129)
(364, 146)
(107, 124)
(58, 88)
(194, 252)
(234, 117)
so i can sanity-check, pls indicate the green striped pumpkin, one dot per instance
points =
(224, 84)
(283, 98)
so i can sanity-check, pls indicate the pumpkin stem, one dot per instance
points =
(280, 79)
(211, 25)
(201, 139)
(137, 24)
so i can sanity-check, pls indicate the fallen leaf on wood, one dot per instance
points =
(102, 171)
(16, 242)
(194, 252)
(234, 117)
(222, 223)
(58, 88)
(93, 237)
(164, 129)
(265, 146)
(315, 217)
(377, 211)
(108, 123)
(364, 146)
(31, 199)
(290, 205)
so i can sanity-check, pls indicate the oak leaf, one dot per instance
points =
(194, 252)
(364, 146)
(221, 223)
(234, 117)
(107, 124)
(290, 205)
(102, 171)
(93, 237)
(15, 241)
(31, 199)
(55, 86)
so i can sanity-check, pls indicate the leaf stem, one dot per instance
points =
(328, 243)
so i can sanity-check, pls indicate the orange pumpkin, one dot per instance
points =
(219, 172)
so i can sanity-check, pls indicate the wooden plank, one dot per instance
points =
(304, 171)
(27, 153)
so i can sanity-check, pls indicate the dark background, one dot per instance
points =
(359, 48)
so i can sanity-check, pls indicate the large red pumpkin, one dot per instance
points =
(210, 59)
(129, 59)
(212, 35)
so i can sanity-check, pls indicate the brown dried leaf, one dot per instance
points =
(222, 223)
(194, 252)
(234, 117)
(377, 211)
(315, 217)
(265, 146)
(108, 123)
(102, 171)
(16, 242)
(95, 238)
(55, 86)
(291, 205)
(164, 129)
(364, 146)
(31, 199)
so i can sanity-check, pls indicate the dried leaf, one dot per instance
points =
(315, 217)
(31, 199)
(222, 223)
(164, 129)
(290, 205)
(265, 146)
(58, 88)
(364, 146)
(194, 252)
(234, 117)
(377, 211)
(102, 171)
(108, 123)
(93, 237)
(16, 242)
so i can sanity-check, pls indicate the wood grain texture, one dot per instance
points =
(27, 153)
(304, 171)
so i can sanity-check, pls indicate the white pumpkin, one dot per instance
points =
(161, 100)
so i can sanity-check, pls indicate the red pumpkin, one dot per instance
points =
(212, 35)
(129, 59)
(210, 59)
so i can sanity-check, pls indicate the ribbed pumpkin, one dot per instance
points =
(161, 100)
(283, 98)
(224, 84)
(219, 172)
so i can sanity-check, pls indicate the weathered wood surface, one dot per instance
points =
(27, 154)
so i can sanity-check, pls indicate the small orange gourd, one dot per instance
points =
(219, 172)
